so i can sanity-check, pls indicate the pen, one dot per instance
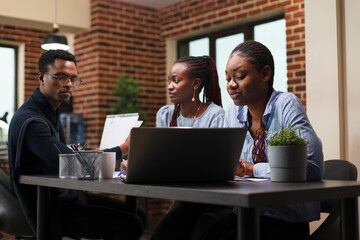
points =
(79, 156)
(121, 173)
(83, 147)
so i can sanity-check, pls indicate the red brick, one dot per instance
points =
(300, 88)
(242, 15)
(300, 58)
(291, 23)
(248, 6)
(283, 3)
(223, 13)
(299, 29)
(293, 66)
(261, 3)
(300, 44)
(271, 7)
(237, 9)
(255, 12)
(299, 14)
(291, 8)
(292, 38)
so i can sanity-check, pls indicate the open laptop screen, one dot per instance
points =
(183, 154)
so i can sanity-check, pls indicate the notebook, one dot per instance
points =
(183, 154)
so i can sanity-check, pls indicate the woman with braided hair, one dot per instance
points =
(186, 78)
(261, 109)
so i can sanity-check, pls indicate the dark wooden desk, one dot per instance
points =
(248, 196)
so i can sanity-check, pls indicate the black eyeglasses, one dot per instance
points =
(63, 78)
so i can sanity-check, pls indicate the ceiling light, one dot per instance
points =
(55, 41)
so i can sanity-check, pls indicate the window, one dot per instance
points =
(273, 35)
(218, 45)
(8, 90)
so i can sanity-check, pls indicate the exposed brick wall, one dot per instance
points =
(123, 39)
(295, 37)
(32, 38)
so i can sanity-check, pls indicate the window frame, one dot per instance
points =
(16, 66)
(246, 28)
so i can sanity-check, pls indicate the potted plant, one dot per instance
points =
(128, 93)
(287, 154)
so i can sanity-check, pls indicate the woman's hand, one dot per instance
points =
(123, 165)
(125, 146)
(244, 168)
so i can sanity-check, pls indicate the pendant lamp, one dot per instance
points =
(55, 40)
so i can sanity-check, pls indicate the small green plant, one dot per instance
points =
(128, 93)
(287, 136)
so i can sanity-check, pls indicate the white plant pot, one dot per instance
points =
(287, 163)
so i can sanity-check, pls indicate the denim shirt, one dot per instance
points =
(281, 109)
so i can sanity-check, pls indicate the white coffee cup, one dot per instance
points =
(108, 162)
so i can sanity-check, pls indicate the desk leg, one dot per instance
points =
(248, 226)
(47, 214)
(43, 194)
(349, 218)
(130, 202)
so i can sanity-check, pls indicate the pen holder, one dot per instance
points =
(90, 162)
(69, 167)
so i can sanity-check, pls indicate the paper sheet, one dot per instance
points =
(251, 179)
(117, 129)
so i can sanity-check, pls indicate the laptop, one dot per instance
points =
(183, 154)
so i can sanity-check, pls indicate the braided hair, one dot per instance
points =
(259, 56)
(203, 68)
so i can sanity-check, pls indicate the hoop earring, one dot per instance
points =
(193, 98)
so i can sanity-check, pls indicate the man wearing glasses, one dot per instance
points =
(34, 131)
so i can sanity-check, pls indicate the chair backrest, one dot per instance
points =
(12, 218)
(336, 169)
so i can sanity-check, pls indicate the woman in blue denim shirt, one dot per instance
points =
(258, 107)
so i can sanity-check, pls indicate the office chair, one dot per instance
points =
(12, 218)
(334, 170)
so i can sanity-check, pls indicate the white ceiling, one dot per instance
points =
(156, 4)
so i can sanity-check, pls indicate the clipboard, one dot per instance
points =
(117, 129)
